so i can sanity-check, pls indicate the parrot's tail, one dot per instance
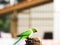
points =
(17, 41)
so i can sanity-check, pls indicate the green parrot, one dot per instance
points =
(26, 34)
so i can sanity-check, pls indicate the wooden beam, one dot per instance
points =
(14, 24)
(22, 5)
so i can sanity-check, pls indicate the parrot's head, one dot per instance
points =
(34, 29)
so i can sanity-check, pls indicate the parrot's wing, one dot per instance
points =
(26, 33)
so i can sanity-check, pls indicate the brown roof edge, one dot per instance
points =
(23, 5)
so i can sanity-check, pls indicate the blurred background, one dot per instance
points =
(12, 24)
(40, 16)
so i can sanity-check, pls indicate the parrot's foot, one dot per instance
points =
(33, 41)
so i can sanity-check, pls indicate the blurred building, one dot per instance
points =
(40, 17)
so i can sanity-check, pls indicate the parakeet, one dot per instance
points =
(26, 34)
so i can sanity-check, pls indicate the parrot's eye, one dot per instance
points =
(36, 31)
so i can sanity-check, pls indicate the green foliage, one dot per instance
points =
(5, 23)
(1, 22)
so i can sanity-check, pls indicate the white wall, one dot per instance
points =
(40, 17)
(57, 20)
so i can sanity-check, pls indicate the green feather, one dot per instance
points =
(21, 38)
(26, 33)
(17, 41)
